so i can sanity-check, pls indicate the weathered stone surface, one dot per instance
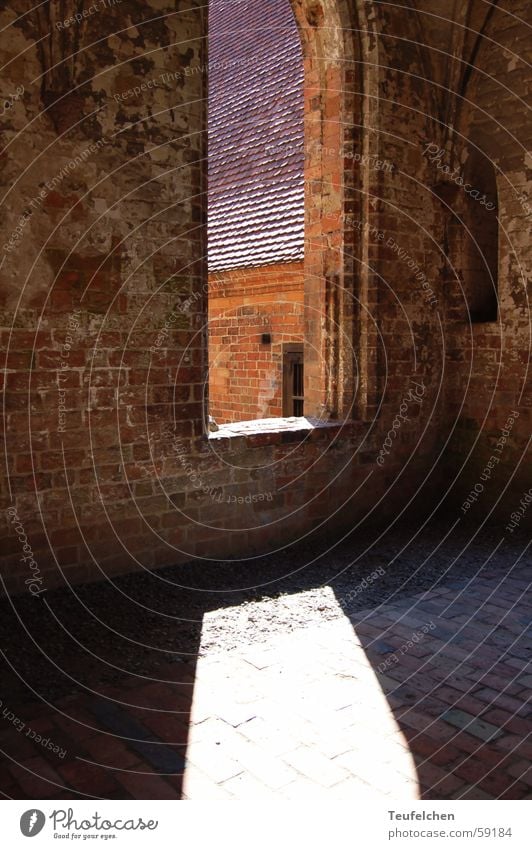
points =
(103, 238)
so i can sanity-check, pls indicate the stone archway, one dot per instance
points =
(340, 103)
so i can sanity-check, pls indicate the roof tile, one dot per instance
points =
(256, 134)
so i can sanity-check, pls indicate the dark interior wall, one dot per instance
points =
(458, 205)
(489, 391)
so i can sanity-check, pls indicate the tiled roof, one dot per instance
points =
(256, 135)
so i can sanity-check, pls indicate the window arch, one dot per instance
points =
(340, 94)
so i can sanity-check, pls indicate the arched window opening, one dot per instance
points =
(256, 208)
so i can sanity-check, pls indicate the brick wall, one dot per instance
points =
(476, 373)
(488, 361)
(246, 374)
(103, 292)
(102, 234)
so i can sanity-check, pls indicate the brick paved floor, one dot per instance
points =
(427, 697)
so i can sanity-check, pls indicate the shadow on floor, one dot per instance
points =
(97, 690)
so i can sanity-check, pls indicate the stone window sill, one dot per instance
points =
(274, 430)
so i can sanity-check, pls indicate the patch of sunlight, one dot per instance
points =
(273, 425)
(295, 711)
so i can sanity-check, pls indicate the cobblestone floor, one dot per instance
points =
(426, 697)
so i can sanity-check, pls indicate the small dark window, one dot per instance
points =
(293, 383)
(471, 240)
(480, 259)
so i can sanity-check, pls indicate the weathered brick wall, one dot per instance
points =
(102, 235)
(407, 304)
(246, 374)
(489, 377)
(104, 285)
(436, 115)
